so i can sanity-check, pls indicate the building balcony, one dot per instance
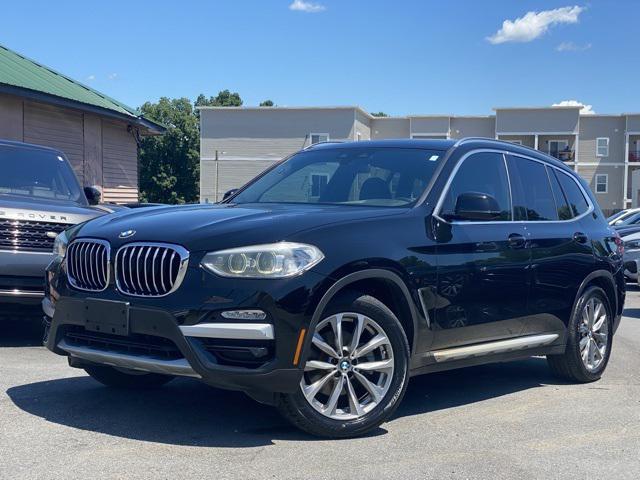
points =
(563, 155)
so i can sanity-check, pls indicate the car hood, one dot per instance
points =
(45, 210)
(207, 227)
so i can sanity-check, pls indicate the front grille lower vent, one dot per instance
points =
(150, 269)
(29, 235)
(88, 264)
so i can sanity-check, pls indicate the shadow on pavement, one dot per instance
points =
(186, 412)
(21, 332)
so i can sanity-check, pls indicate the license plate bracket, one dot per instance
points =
(106, 316)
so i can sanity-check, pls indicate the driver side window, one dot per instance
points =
(480, 173)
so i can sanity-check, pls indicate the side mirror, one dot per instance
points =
(93, 195)
(477, 206)
(229, 193)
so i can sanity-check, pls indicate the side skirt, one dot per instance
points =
(489, 352)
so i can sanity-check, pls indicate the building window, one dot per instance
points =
(318, 182)
(557, 147)
(516, 142)
(602, 183)
(602, 147)
(358, 136)
(318, 137)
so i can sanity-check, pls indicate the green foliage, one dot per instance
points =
(379, 114)
(267, 103)
(170, 163)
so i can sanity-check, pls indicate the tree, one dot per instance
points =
(267, 103)
(379, 114)
(224, 99)
(170, 163)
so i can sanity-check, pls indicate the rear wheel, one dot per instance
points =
(589, 339)
(120, 378)
(356, 372)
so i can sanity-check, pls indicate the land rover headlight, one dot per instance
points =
(60, 246)
(275, 260)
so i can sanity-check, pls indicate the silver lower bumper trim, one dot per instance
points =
(243, 331)
(47, 307)
(491, 348)
(14, 292)
(132, 362)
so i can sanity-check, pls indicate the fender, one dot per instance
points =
(376, 273)
(591, 276)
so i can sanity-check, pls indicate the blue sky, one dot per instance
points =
(401, 57)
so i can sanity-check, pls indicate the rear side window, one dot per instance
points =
(480, 173)
(572, 191)
(564, 212)
(533, 199)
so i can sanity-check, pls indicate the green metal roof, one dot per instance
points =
(23, 73)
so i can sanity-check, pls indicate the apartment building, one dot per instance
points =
(238, 143)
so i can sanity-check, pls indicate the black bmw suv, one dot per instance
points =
(324, 284)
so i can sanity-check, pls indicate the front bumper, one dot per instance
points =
(189, 324)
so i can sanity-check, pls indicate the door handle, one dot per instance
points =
(516, 240)
(580, 237)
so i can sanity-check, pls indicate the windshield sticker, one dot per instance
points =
(433, 158)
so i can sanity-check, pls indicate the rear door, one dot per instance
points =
(561, 255)
(482, 265)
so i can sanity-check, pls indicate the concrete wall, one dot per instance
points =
(100, 151)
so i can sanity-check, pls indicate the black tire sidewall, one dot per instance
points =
(314, 422)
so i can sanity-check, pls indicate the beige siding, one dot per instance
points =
(362, 126)
(216, 178)
(473, 127)
(526, 140)
(390, 128)
(58, 128)
(633, 123)
(430, 125)
(594, 127)
(11, 118)
(93, 150)
(119, 161)
(268, 133)
(537, 120)
(611, 200)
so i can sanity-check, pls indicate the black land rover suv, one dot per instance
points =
(325, 283)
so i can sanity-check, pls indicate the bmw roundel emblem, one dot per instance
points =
(127, 234)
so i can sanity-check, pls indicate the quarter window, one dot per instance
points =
(564, 212)
(572, 191)
(533, 199)
(602, 183)
(480, 173)
(602, 147)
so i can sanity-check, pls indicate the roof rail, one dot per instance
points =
(322, 143)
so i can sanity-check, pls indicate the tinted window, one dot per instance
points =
(32, 172)
(574, 195)
(564, 212)
(535, 198)
(390, 177)
(480, 173)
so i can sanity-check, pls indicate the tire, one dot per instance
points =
(570, 365)
(112, 377)
(388, 380)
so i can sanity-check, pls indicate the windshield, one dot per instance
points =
(32, 172)
(384, 177)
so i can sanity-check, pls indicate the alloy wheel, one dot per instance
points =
(350, 366)
(593, 333)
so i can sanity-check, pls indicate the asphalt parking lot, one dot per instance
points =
(499, 421)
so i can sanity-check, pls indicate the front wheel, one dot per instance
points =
(589, 339)
(356, 371)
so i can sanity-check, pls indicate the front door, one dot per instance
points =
(482, 268)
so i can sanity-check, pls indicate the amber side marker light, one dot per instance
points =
(296, 357)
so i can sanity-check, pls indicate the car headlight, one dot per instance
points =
(275, 260)
(60, 245)
(632, 245)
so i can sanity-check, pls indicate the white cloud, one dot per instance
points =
(585, 110)
(304, 6)
(112, 76)
(91, 78)
(534, 24)
(572, 47)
